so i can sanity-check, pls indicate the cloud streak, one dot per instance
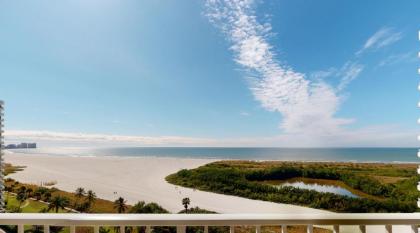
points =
(349, 72)
(346, 74)
(383, 37)
(399, 58)
(51, 137)
(306, 106)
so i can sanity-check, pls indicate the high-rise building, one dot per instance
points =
(2, 207)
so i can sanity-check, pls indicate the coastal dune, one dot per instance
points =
(142, 179)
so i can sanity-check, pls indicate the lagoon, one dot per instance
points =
(319, 185)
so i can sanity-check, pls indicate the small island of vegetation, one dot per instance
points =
(381, 187)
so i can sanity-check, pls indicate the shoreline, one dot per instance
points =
(136, 179)
(213, 159)
(392, 155)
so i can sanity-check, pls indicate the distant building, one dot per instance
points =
(23, 145)
(2, 207)
(11, 146)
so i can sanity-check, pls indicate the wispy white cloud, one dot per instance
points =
(372, 136)
(306, 106)
(352, 69)
(51, 137)
(348, 73)
(399, 58)
(384, 37)
(322, 74)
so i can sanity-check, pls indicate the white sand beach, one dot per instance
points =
(135, 179)
(141, 178)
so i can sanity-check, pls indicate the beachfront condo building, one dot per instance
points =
(2, 209)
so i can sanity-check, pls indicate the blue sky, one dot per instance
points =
(210, 73)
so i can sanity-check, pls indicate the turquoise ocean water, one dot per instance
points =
(291, 154)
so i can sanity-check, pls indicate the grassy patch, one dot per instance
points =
(28, 206)
(99, 206)
(9, 169)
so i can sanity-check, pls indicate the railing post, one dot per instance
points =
(148, 229)
(388, 228)
(72, 229)
(257, 229)
(21, 228)
(336, 228)
(362, 228)
(122, 229)
(310, 229)
(232, 229)
(96, 229)
(414, 229)
(283, 228)
(181, 229)
(206, 229)
(46, 229)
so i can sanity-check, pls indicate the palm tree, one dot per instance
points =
(47, 196)
(29, 191)
(21, 189)
(80, 192)
(42, 190)
(91, 197)
(21, 197)
(58, 202)
(186, 203)
(120, 205)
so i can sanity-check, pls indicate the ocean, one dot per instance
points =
(401, 155)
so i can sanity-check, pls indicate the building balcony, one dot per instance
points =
(335, 222)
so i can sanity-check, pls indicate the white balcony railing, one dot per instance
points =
(337, 221)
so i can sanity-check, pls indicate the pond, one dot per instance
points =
(324, 186)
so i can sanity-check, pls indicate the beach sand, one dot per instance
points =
(139, 179)
(135, 179)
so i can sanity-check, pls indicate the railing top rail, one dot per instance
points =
(209, 219)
